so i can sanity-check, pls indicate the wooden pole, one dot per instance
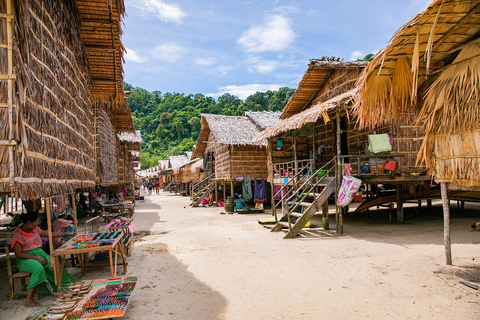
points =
(10, 91)
(446, 224)
(231, 189)
(339, 214)
(399, 194)
(74, 206)
(272, 179)
(216, 192)
(50, 238)
(314, 153)
(224, 191)
(325, 220)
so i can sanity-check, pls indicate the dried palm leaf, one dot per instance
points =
(431, 38)
(400, 96)
(415, 67)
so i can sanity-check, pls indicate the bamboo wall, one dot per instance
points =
(248, 160)
(222, 162)
(52, 118)
(407, 140)
(105, 146)
(457, 158)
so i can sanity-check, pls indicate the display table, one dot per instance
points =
(83, 245)
(104, 299)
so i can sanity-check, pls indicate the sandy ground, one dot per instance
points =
(195, 263)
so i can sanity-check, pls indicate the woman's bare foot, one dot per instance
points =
(32, 303)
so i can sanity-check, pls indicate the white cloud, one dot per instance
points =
(357, 55)
(164, 11)
(205, 62)
(169, 52)
(260, 65)
(133, 56)
(286, 9)
(224, 70)
(275, 34)
(243, 91)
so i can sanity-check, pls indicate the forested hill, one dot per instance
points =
(170, 123)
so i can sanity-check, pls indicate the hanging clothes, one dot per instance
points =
(260, 193)
(277, 188)
(247, 188)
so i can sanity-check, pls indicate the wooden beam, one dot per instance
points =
(100, 48)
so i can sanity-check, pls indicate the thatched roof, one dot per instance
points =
(263, 119)
(177, 161)
(315, 78)
(231, 130)
(310, 115)
(130, 137)
(431, 70)
(426, 44)
(101, 30)
(163, 164)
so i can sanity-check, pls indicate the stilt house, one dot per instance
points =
(58, 59)
(318, 136)
(224, 144)
(431, 69)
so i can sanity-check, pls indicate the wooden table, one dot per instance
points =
(60, 254)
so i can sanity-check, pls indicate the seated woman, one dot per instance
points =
(27, 245)
(82, 208)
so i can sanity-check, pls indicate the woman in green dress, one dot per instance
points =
(27, 245)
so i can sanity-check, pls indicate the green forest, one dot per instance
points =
(170, 122)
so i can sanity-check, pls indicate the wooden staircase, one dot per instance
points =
(306, 202)
(201, 190)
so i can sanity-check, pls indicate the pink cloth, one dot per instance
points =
(29, 241)
(131, 226)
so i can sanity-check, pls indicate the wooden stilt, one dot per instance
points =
(216, 192)
(338, 213)
(325, 218)
(232, 192)
(399, 194)
(224, 191)
(446, 224)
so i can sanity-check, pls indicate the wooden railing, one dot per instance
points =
(289, 169)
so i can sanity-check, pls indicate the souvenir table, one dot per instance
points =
(127, 227)
(100, 299)
(110, 207)
(82, 245)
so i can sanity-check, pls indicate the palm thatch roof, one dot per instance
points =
(431, 69)
(231, 130)
(163, 164)
(130, 137)
(263, 119)
(101, 31)
(310, 115)
(177, 161)
(319, 72)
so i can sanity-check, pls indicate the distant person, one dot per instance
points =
(157, 187)
(150, 187)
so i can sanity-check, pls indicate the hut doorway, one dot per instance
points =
(343, 137)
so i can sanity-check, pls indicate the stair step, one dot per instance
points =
(283, 224)
(296, 214)
(303, 204)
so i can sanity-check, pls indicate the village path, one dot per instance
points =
(195, 263)
(200, 264)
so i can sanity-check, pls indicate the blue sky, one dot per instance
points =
(244, 46)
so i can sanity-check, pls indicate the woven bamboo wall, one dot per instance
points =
(457, 158)
(53, 117)
(341, 81)
(222, 162)
(106, 146)
(407, 139)
(248, 160)
(121, 162)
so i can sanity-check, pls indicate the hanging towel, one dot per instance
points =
(379, 143)
(260, 194)
(247, 188)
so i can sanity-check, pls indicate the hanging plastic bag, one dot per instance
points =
(348, 189)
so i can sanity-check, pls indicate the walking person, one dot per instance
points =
(157, 187)
(150, 187)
